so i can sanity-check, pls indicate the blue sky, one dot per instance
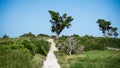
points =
(22, 16)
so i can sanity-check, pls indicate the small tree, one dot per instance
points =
(104, 26)
(70, 46)
(106, 29)
(5, 36)
(59, 22)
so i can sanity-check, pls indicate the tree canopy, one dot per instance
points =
(106, 28)
(59, 22)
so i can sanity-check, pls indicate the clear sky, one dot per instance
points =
(22, 16)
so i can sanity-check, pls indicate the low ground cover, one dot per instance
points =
(90, 59)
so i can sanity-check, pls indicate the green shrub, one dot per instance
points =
(5, 37)
(6, 42)
(19, 58)
(28, 35)
(93, 43)
(42, 46)
(30, 46)
(42, 36)
(23, 52)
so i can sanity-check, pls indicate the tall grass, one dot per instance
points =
(19, 58)
(91, 59)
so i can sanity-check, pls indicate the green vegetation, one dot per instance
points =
(28, 35)
(95, 55)
(14, 58)
(90, 43)
(26, 51)
(106, 29)
(29, 50)
(69, 46)
(59, 22)
(43, 36)
(91, 59)
(5, 37)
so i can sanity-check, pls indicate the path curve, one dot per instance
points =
(51, 60)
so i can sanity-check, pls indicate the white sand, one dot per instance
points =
(51, 60)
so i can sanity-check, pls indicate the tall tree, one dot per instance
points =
(106, 29)
(59, 22)
(104, 26)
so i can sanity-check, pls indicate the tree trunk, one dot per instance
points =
(57, 35)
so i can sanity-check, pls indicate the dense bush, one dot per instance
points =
(30, 46)
(42, 35)
(93, 43)
(21, 52)
(28, 35)
(19, 58)
(42, 46)
(99, 43)
(36, 46)
(6, 42)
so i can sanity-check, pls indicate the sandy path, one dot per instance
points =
(51, 60)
